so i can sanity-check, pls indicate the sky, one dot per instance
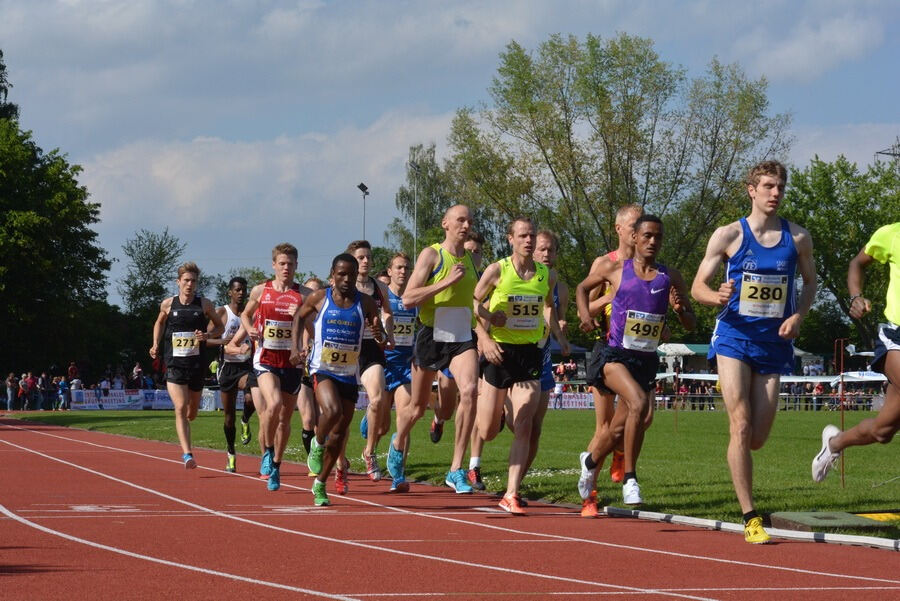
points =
(239, 124)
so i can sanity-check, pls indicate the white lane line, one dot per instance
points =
(496, 528)
(166, 562)
(327, 539)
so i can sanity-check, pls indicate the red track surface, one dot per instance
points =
(97, 516)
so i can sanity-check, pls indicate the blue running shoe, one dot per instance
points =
(457, 481)
(274, 482)
(399, 485)
(364, 426)
(395, 461)
(265, 466)
(314, 459)
(189, 462)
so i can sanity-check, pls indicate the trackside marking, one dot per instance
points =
(166, 562)
(505, 529)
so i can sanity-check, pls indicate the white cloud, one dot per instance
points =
(858, 142)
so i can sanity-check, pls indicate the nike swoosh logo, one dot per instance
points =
(654, 290)
(540, 278)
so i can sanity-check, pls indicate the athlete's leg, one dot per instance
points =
(488, 410)
(181, 399)
(228, 410)
(335, 416)
(420, 395)
(524, 398)
(464, 368)
(883, 426)
(628, 417)
(537, 424)
(373, 381)
(283, 430)
(446, 397)
(269, 414)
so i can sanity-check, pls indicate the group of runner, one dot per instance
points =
(484, 338)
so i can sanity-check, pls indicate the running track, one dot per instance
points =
(86, 515)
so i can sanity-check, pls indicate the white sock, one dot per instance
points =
(474, 462)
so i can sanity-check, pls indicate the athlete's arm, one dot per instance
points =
(211, 340)
(790, 327)
(232, 347)
(487, 346)
(370, 310)
(680, 301)
(596, 297)
(563, 291)
(387, 314)
(250, 309)
(299, 320)
(552, 318)
(210, 311)
(716, 249)
(860, 305)
(600, 274)
(159, 326)
(417, 291)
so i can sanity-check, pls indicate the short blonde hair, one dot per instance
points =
(188, 267)
(285, 248)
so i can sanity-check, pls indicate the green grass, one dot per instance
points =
(682, 468)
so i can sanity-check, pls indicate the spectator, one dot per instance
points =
(818, 391)
(72, 372)
(45, 392)
(571, 369)
(104, 386)
(118, 382)
(63, 394)
(137, 374)
(12, 391)
(557, 395)
(31, 390)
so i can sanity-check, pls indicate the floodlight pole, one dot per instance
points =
(365, 192)
(415, 167)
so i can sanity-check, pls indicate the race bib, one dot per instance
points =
(763, 295)
(642, 331)
(523, 312)
(404, 328)
(340, 359)
(277, 335)
(185, 344)
(452, 324)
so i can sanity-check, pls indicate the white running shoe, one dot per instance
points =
(586, 479)
(824, 461)
(631, 492)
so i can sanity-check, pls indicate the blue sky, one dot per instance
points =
(243, 124)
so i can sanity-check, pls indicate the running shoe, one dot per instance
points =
(754, 532)
(456, 480)
(437, 430)
(825, 460)
(341, 485)
(320, 497)
(246, 436)
(189, 462)
(474, 477)
(364, 426)
(522, 500)
(230, 466)
(372, 467)
(395, 461)
(510, 503)
(586, 479)
(399, 485)
(265, 464)
(589, 507)
(617, 467)
(631, 492)
(314, 459)
(274, 482)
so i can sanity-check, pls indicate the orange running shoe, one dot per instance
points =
(510, 503)
(617, 467)
(589, 507)
(341, 486)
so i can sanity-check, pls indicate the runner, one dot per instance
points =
(594, 314)
(446, 392)
(233, 368)
(640, 292)
(398, 370)
(271, 308)
(241, 344)
(372, 361)
(182, 326)
(340, 314)
(441, 286)
(306, 400)
(760, 317)
(884, 247)
(508, 334)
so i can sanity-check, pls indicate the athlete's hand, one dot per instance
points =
(676, 301)
(564, 347)
(490, 350)
(726, 290)
(298, 357)
(859, 307)
(456, 273)
(563, 324)
(790, 327)
(665, 334)
(253, 333)
(201, 335)
(498, 318)
(588, 323)
(154, 350)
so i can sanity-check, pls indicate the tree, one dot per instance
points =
(52, 268)
(822, 198)
(8, 110)
(149, 276)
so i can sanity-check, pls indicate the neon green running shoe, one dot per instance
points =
(320, 497)
(230, 467)
(314, 459)
(245, 433)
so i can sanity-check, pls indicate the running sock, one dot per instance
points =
(590, 463)
(230, 432)
(474, 462)
(249, 410)
(438, 421)
(271, 450)
(630, 476)
(750, 515)
(306, 436)
(276, 464)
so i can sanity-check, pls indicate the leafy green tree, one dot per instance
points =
(151, 270)
(52, 268)
(842, 207)
(8, 110)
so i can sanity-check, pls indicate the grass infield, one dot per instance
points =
(682, 468)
